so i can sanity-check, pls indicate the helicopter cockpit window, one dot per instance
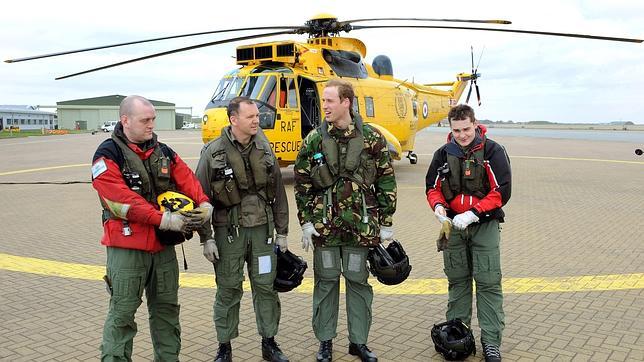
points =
(227, 89)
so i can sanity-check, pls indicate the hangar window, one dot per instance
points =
(369, 106)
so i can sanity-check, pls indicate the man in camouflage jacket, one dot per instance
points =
(345, 190)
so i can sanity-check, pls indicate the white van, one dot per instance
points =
(109, 126)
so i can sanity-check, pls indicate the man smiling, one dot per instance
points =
(469, 180)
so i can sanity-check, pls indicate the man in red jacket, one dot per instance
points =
(129, 171)
(468, 181)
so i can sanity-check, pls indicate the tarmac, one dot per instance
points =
(572, 257)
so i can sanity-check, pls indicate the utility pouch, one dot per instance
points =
(224, 188)
(321, 176)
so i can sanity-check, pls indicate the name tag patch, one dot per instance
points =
(98, 168)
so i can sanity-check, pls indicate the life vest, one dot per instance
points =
(237, 176)
(148, 178)
(467, 176)
(345, 159)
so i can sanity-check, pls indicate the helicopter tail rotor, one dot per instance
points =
(475, 75)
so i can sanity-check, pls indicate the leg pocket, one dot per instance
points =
(456, 264)
(263, 268)
(487, 269)
(326, 263)
(354, 264)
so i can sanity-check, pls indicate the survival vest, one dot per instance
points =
(343, 159)
(148, 178)
(466, 175)
(237, 175)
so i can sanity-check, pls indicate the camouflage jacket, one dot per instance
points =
(355, 211)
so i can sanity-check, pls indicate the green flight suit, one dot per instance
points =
(130, 272)
(244, 228)
(474, 253)
(348, 215)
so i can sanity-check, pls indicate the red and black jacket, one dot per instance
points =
(498, 173)
(142, 216)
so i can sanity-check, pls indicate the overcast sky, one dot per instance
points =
(524, 77)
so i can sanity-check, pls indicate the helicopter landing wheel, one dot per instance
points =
(413, 158)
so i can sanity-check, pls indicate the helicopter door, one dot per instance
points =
(286, 139)
(310, 105)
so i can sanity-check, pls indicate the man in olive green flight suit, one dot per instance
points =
(345, 191)
(241, 175)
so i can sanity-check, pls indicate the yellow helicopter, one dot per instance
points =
(286, 78)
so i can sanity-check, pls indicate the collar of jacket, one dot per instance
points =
(254, 139)
(144, 150)
(454, 149)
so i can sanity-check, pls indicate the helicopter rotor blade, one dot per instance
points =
(469, 93)
(150, 40)
(483, 21)
(478, 95)
(569, 35)
(472, 58)
(203, 45)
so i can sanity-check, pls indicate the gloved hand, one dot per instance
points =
(210, 251)
(174, 221)
(386, 233)
(280, 240)
(441, 214)
(443, 236)
(200, 215)
(462, 221)
(308, 230)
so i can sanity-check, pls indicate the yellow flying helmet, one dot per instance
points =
(175, 201)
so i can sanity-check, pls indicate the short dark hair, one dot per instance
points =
(461, 112)
(345, 90)
(233, 106)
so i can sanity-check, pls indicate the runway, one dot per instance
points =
(572, 258)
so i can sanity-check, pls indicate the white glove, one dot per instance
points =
(308, 230)
(280, 240)
(173, 221)
(210, 251)
(441, 214)
(462, 221)
(386, 233)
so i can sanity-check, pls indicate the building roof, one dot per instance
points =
(112, 100)
(22, 109)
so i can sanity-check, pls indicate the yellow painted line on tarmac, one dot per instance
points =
(590, 283)
(420, 154)
(40, 169)
(579, 159)
(564, 159)
(44, 169)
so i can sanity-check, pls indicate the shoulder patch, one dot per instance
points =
(98, 168)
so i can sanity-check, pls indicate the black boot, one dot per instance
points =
(271, 351)
(362, 351)
(491, 353)
(325, 353)
(224, 353)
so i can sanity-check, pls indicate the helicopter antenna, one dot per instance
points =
(401, 83)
